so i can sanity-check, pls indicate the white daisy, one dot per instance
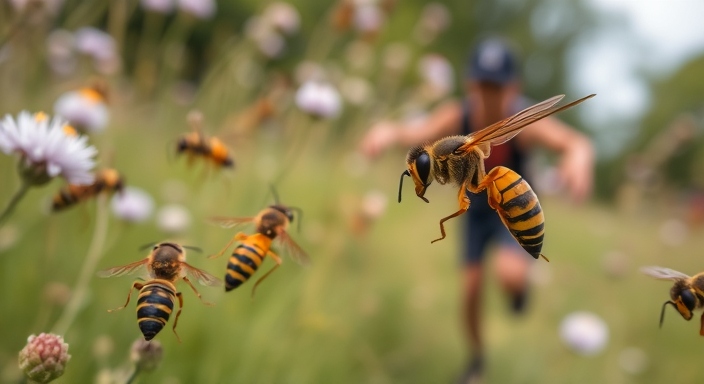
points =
(319, 99)
(85, 109)
(201, 9)
(133, 205)
(46, 149)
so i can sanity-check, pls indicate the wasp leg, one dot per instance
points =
(464, 206)
(196, 291)
(180, 307)
(229, 244)
(137, 286)
(277, 259)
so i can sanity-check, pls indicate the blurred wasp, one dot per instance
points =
(460, 160)
(197, 144)
(686, 295)
(165, 265)
(106, 180)
(271, 223)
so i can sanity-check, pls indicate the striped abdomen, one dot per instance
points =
(70, 196)
(245, 260)
(154, 306)
(519, 209)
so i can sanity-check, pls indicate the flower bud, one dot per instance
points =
(146, 355)
(44, 357)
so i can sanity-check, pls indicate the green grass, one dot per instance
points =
(380, 307)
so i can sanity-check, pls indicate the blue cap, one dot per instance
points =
(492, 61)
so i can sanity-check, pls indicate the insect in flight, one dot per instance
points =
(165, 264)
(106, 180)
(686, 295)
(271, 223)
(197, 144)
(460, 160)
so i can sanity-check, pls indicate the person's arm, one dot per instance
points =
(444, 121)
(575, 149)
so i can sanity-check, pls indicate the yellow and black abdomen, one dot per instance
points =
(519, 209)
(154, 306)
(70, 196)
(245, 260)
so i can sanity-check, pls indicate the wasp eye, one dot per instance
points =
(688, 300)
(423, 167)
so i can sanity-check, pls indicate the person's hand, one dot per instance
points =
(381, 136)
(577, 170)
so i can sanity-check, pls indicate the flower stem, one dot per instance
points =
(13, 202)
(95, 251)
(133, 375)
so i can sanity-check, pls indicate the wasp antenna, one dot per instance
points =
(662, 313)
(400, 184)
(274, 193)
(148, 245)
(299, 213)
(193, 248)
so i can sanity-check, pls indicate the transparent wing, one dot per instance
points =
(292, 249)
(230, 222)
(125, 269)
(663, 273)
(506, 129)
(203, 277)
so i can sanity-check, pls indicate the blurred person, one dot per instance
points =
(493, 93)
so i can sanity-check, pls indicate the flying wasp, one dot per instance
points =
(106, 180)
(686, 295)
(460, 160)
(271, 224)
(165, 264)
(197, 144)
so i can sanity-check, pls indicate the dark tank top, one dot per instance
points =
(507, 154)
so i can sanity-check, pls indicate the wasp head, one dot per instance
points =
(419, 168)
(684, 299)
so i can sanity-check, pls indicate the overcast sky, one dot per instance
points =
(605, 62)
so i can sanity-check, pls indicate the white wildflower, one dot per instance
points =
(85, 109)
(101, 47)
(133, 205)
(201, 9)
(283, 17)
(584, 332)
(319, 99)
(60, 54)
(158, 6)
(46, 149)
(173, 218)
(437, 73)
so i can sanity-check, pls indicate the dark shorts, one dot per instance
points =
(481, 228)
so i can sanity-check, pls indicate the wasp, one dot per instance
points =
(165, 264)
(460, 160)
(197, 144)
(271, 224)
(106, 180)
(686, 295)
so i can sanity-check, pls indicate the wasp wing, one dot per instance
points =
(662, 273)
(124, 269)
(506, 129)
(294, 251)
(203, 277)
(230, 222)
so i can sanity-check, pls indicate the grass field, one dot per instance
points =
(378, 307)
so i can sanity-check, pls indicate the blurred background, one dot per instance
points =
(379, 304)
